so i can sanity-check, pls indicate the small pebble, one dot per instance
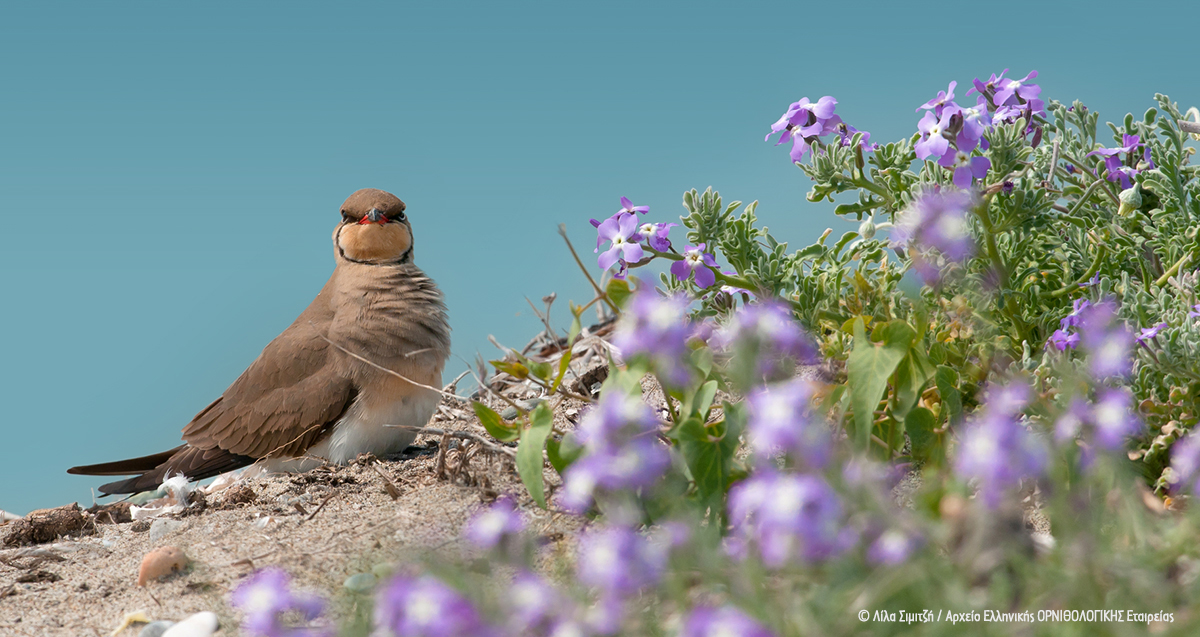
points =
(155, 629)
(198, 625)
(161, 562)
(361, 582)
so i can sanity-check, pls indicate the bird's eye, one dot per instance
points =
(346, 216)
(401, 217)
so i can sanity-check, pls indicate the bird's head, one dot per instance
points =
(374, 229)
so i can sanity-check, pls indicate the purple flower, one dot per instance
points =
(996, 450)
(779, 420)
(696, 260)
(1114, 419)
(786, 517)
(425, 607)
(496, 526)
(965, 166)
(768, 333)
(1112, 160)
(265, 596)
(943, 98)
(1017, 91)
(892, 547)
(622, 451)
(726, 621)
(1195, 311)
(803, 121)
(938, 220)
(1062, 339)
(933, 141)
(1185, 462)
(976, 121)
(989, 87)
(1071, 421)
(655, 235)
(1073, 319)
(1106, 340)
(537, 608)
(618, 561)
(621, 230)
(1150, 333)
(656, 328)
(846, 133)
(627, 206)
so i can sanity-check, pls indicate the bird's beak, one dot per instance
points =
(374, 216)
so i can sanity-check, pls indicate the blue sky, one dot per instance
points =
(170, 174)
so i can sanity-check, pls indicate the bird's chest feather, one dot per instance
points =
(383, 419)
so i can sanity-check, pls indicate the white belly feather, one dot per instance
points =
(377, 428)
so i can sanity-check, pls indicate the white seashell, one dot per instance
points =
(198, 625)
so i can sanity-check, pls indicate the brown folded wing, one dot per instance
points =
(288, 398)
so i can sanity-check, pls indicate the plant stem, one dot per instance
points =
(1101, 250)
(998, 262)
(562, 230)
(1162, 280)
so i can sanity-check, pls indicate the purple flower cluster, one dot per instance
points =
(951, 133)
(1106, 340)
(537, 608)
(623, 451)
(936, 220)
(785, 517)
(656, 328)
(997, 450)
(892, 547)
(768, 333)
(425, 607)
(780, 420)
(806, 122)
(1123, 172)
(1063, 338)
(1110, 421)
(625, 236)
(266, 596)
(618, 562)
(725, 621)
(497, 527)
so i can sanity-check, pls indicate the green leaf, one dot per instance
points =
(704, 399)
(563, 364)
(563, 453)
(911, 376)
(618, 291)
(868, 369)
(541, 371)
(494, 424)
(920, 424)
(947, 383)
(576, 328)
(708, 451)
(512, 368)
(529, 452)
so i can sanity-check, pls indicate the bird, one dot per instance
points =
(357, 372)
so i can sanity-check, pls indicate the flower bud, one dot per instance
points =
(867, 229)
(1131, 199)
